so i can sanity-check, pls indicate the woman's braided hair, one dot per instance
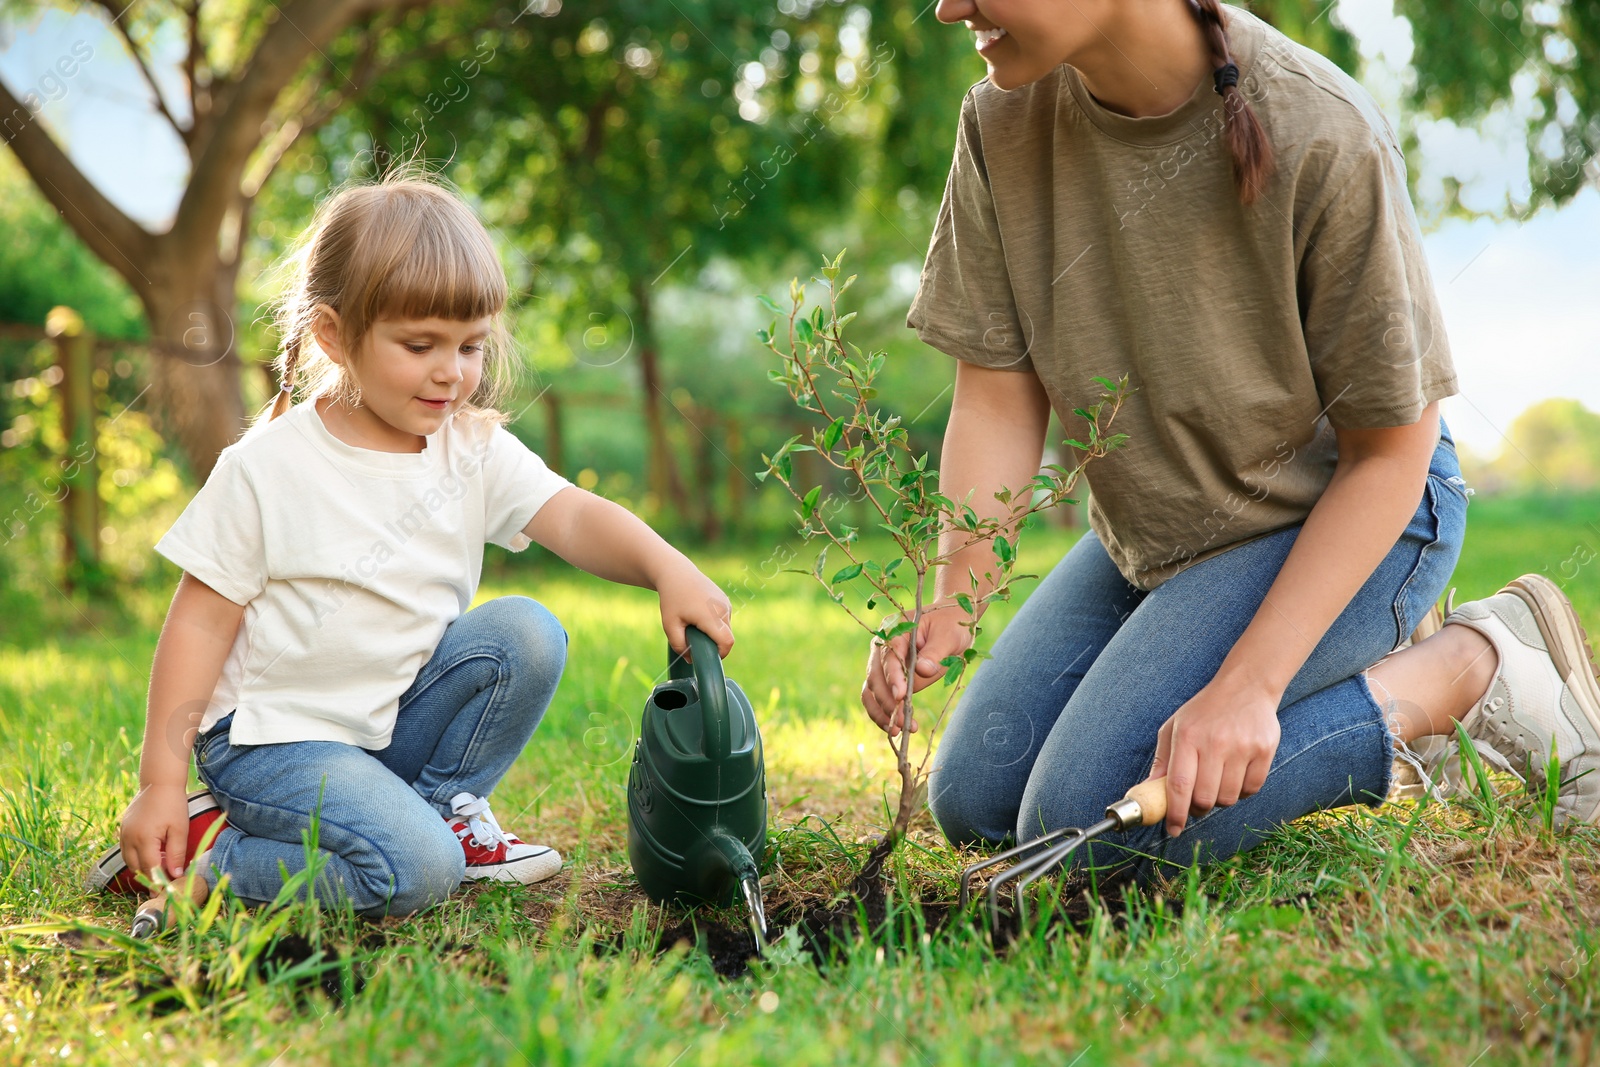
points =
(1242, 133)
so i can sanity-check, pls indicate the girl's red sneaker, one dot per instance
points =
(492, 854)
(111, 873)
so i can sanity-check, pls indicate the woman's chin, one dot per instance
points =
(1008, 76)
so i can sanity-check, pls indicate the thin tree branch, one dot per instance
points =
(119, 22)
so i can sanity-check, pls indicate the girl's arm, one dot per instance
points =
(994, 439)
(195, 640)
(1219, 745)
(611, 542)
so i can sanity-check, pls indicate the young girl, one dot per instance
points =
(319, 656)
(1174, 190)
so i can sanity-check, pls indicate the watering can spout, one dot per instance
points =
(740, 866)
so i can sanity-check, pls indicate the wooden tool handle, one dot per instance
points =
(1152, 798)
(1144, 805)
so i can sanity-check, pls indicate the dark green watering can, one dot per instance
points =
(697, 791)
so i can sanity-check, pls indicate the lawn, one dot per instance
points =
(1406, 934)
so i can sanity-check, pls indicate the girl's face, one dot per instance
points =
(1023, 40)
(412, 373)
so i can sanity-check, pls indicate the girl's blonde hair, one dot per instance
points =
(403, 247)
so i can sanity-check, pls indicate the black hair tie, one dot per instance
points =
(1225, 76)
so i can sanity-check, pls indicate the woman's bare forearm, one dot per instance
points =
(1351, 528)
(994, 440)
(195, 640)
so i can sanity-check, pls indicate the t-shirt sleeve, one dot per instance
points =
(1372, 324)
(964, 305)
(517, 483)
(218, 538)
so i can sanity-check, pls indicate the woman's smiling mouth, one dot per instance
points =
(986, 38)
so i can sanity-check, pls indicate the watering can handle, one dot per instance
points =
(712, 687)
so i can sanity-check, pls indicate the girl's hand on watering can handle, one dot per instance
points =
(689, 598)
(939, 634)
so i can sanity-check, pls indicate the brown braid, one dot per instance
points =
(1246, 140)
(291, 357)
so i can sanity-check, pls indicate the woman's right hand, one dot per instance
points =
(940, 633)
(155, 830)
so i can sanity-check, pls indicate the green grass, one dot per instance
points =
(1401, 935)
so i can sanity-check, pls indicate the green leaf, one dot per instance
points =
(770, 304)
(894, 565)
(1003, 550)
(803, 330)
(822, 561)
(1111, 386)
(764, 337)
(844, 574)
(965, 601)
(831, 435)
(902, 627)
(808, 506)
(953, 666)
(1083, 413)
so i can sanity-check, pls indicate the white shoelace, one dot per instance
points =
(481, 823)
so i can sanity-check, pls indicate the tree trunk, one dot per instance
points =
(195, 366)
(705, 475)
(663, 478)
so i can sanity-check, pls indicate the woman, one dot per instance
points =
(1174, 191)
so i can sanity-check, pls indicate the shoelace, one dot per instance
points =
(481, 823)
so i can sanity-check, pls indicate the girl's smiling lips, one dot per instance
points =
(437, 405)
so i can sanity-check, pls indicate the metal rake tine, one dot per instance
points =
(1038, 842)
(1076, 839)
(1044, 864)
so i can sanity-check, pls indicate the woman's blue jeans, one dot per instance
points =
(1062, 720)
(462, 723)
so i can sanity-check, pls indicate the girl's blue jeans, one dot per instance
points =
(1062, 720)
(381, 829)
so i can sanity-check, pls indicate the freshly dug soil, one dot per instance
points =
(826, 929)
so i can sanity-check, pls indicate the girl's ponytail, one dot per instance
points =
(1246, 140)
(291, 358)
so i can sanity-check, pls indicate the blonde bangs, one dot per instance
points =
(445, 271)
(421, 254)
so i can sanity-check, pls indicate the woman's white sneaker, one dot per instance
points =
(1544, 691)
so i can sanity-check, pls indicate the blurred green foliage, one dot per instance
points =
(1470, 54)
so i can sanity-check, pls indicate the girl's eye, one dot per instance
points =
(472, 349)
(418, 348)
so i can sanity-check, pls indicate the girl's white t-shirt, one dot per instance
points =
(349, 563)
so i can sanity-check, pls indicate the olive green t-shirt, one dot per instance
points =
(1075, 242)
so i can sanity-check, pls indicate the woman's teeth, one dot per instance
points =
(985, 38)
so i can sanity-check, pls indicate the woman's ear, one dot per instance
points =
(326, 332)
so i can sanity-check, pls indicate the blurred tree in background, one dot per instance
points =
(1552, 447)
(1537, 59)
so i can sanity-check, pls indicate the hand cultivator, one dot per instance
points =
(1144, 805)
